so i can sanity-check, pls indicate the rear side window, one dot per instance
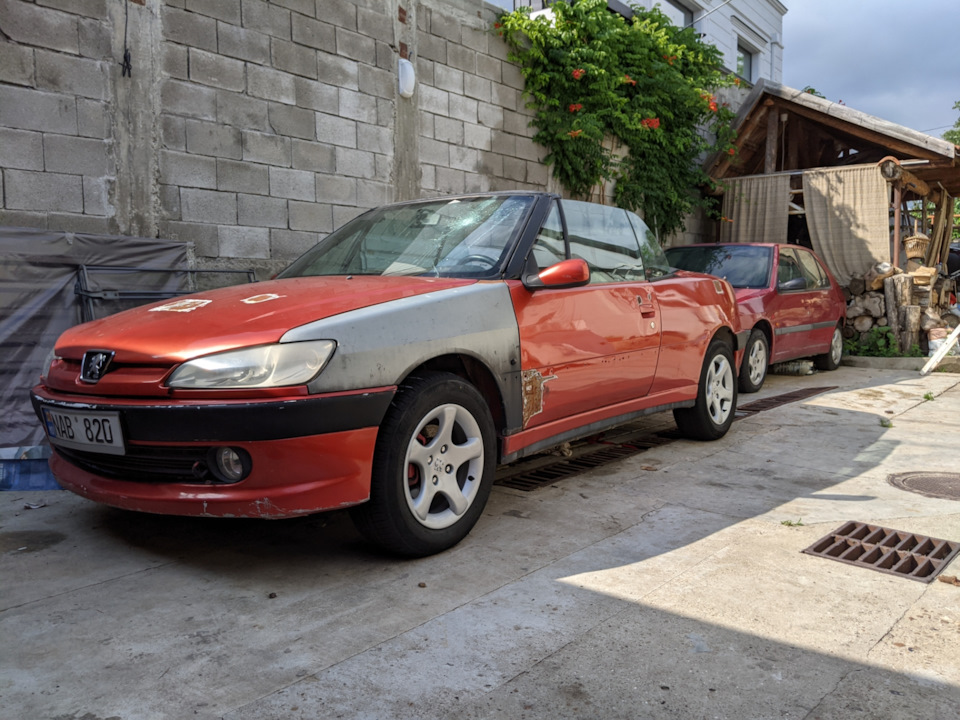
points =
(796, 263)
(604, 237)
(812, 271)
(548, 249)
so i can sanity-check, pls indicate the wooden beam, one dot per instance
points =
(770, 155)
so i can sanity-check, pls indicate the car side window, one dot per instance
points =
(604, 237)
(789, 267)
(548, 248)
(816, 277)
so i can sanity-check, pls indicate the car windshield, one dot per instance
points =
(450, 237)
(743, 266)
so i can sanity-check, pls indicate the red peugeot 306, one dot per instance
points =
(392, 367)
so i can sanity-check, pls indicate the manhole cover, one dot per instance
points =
(908, 555)
(932, 484)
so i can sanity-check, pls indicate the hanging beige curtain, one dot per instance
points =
(755, 209)
(848, 211)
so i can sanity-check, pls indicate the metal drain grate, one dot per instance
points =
(777, 400)
(538, 477)
(908, 555)
(941, 485)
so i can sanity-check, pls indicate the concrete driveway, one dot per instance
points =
(664, 585)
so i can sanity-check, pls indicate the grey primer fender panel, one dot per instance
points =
(379, 345)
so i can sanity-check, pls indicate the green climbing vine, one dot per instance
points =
(595, 79)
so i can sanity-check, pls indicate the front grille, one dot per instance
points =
(146, 464)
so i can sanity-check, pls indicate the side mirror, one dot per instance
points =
(564, 274)
(791, 285)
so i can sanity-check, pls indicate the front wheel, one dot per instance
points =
(713, 413)
(753, 371)
(433, 467)
(831, 360)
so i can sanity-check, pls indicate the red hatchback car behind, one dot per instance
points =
(786, 296)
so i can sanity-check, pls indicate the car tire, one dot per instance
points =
(433, 467)
(753, 371)
(716, 404)
(831, 360)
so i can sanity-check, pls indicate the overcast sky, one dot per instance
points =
(899, 61)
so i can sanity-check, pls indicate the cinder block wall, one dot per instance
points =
(250, 128)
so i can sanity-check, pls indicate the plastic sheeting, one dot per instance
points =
(38, 301)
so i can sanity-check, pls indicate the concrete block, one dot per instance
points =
(374, 81)
(336, 190)
(371, 193)
(463, 108)
(383, 168)
(261, 211)
(95, 39)
(208, 206)
(21, 149)
(474, 38)
(293, 184)
(185, 98)
(226, 10)
(338, 71)
(316, 95)
(477, 136)
(173, 132)
(478, 88)
(271, 84)
(96, 196)
(289, 244)
(488, 67)
(512, 77)
(77, 155)
(490, 116)
(504, 142)
(498, 48)
(342, 214)
(304, 7)
(26, 190)
(514, 168)
(386, 56)
(220, 72)
(516, 123)
(267, 149)
(341, 13)
(184, 170)
(336, 130)
(505, 97)
(22, 218)
(475, 183)
(355, 163)
(57, 72)
(293, 58)
(174, 61)
(433, 100)
(428, 177)
(433, 152)
(356, 46)
(266, 17)
(205, 138)
(445, 26)
(313, 156)
(78, 223)
(529, 150)
(374, 139)
(89, 8)
(169, 202)
(449, 79)
(205, 238)
(93, 119)
(242, 177)
(427, 124)
(375, 24)
(357, 106)
(432, 47)
(310, 216)
(241, 111)
(462, 158)
(538, 173)
(316, 34)
(243, 43)
(462, 58)
(386, 112)
(243, 242)
(448, 130)
(491, 164)
(187, 28)
(29, 24)
(292, 121)
(16, 64)
(451, 181)
(426, 72)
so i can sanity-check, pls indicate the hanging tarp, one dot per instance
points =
(38, 301)
(848, 216)
(756, 209)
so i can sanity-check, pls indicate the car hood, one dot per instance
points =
(240, 316)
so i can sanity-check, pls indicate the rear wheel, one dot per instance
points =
(433, 467)
(713, 413)
(753, 371)
(831, 360)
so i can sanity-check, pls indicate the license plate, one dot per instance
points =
(83, 430)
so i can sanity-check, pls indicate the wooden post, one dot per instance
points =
(909, 327)
(898, 294)
(896, 224)
(770, 157)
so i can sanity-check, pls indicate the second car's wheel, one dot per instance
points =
(713, 413)
(432, 468)
(753, 371)
(831, 360)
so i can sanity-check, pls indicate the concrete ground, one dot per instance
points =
(665, 585)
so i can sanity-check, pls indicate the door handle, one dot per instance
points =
(646, 309)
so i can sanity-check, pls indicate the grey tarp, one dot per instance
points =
(38, 274)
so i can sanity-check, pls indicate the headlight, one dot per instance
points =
(256, 367)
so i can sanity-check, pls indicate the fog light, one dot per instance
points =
(232, 464)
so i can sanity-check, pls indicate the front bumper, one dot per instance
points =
(307, 454)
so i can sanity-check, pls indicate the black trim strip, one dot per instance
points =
(243, 422)
(803, 328)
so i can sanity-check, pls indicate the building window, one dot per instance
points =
(744, 62)
(678, 13)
